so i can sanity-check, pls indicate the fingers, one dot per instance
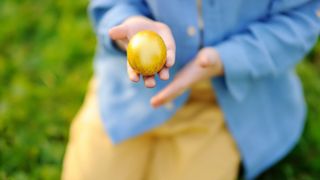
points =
(170, 57)
(122, 33)
(149, 81)
(206, 57)
(119, 32)
(133, 76)
(205, 62)
(173, 90)
(168, 39)
(190, 74)
(209, 59)
(164, 73)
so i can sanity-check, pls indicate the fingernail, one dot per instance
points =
(170, 61)
(134, 78)
(204, 63)
(165, 76)
(150, 84)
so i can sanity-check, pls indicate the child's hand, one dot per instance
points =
(207, 64)
(122, 34)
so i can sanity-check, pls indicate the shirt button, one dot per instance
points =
(191, 31)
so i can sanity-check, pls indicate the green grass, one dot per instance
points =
(46, 51)
(45, 63)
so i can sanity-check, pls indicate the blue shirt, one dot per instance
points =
(259, 42)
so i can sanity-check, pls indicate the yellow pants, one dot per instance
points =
(193, 145)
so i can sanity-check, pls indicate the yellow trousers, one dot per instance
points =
(193, 145)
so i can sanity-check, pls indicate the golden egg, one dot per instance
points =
(146, 53)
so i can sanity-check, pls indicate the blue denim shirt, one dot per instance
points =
(259, 42)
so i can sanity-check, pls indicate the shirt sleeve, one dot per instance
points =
(106, 14)
(269, 47)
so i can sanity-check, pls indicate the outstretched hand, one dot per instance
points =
(123, 33)
(207, 64)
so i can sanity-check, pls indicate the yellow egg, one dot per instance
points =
(146, 53)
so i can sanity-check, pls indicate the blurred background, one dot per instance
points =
(46, 52)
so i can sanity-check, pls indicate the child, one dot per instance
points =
(233, 98)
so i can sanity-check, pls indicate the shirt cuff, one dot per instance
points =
(236, 69)
(113, 18)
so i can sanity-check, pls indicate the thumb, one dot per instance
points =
(204, 61)
(207, 57)
(119, 32)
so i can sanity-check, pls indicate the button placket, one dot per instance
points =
(212, 21)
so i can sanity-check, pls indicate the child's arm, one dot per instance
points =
(270, 47)
(266, 49)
